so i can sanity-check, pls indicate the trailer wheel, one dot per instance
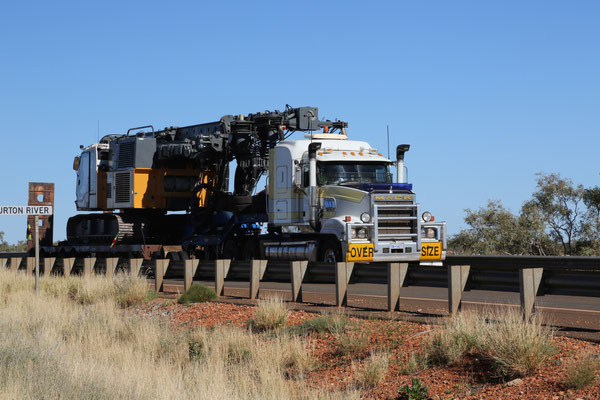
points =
(329, 252)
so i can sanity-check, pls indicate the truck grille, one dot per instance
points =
(122, 187)
(395, 221)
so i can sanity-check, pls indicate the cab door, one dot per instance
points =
(83, 181)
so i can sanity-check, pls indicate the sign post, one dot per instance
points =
(37, 255)
(37, 211)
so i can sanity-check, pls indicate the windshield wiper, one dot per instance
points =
(350, 183)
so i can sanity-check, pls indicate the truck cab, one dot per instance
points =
(354, 211)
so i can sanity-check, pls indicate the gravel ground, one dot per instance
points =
(400, 339)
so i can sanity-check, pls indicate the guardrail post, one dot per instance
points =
(68, 263)
(15, 262)
(30, 266)
(88, 266)
(298, 270)
(160, 268)
(529, 283)
(189, 270)
(135, 265)
(396, 275)
(221, 271)
(3, 262)
(343, 272)
(48, 265)
(257, 271)
(457, 280)
(111, 266)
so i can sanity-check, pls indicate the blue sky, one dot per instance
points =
(486, 93)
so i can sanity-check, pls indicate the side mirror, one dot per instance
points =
(76, 162)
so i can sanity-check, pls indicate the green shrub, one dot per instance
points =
(197, 293)
(270, 314)
(583, 372)
(334, 324)
(414, 392)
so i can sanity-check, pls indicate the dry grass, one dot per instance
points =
(417, 362)
(373, 370)
(74, 342)
(517, 348)
(352, 343)
(270, 314)
(513, 346)
(458, 336)
(582, 371)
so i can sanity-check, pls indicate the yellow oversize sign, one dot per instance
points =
(431, 250)
(360, 252)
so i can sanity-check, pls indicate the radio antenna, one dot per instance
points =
(388, 140)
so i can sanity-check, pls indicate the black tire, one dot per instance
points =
(249, 250)
(329, 251)
(231, 250)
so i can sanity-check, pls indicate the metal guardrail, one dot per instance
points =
(531, 276)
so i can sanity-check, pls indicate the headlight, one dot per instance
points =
(365, 217)
(430, 233)
(427, 216)
(359, 233)
(362, 233)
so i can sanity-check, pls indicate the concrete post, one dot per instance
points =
(88, 266)
(48, 265)
(189, 270)
(111, 266)
(30, 266)
(135, 265)
(396, 276)
(68, 263)
(3, 262)
(529, 284)
(221, 271)
(257, 271)
(298, 271)
(15, 262)
(160, 268)
(457, 280)
(343, 272)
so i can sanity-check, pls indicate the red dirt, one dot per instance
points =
(401, 339)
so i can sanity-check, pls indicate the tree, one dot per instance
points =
(559, 205)
(492, 230)
(560, 218)
(5, 246)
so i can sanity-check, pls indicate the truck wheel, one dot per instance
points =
(230, 250)
(329, 252)
(249, 250)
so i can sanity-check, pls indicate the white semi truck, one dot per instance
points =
(327, 198)
(337, 201)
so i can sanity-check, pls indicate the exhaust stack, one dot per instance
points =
(400, 150)
(312, 182)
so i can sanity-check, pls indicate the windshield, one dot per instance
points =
(340, 173)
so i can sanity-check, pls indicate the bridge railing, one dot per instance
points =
(530, 276)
